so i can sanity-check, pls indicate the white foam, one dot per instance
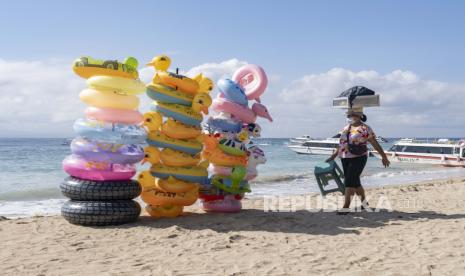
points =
(21, 209)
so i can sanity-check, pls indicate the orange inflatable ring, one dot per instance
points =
(180, 82)
(164, 211)
(157, 197)
(174, 158)
(178, 130)
(173, 185)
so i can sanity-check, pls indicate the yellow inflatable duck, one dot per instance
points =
(146, 181)
(178, 130)
(205, 84)
(183, 83)
(169, 157)
(151, 155)
(158, 197)
(174, 158)
(161, 63)
(174, 185)
(201, 103)
(164, 211)
(152, 120)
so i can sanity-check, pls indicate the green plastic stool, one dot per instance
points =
(327, 171)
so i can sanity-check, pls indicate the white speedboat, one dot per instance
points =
(300, 139)
(443, 152)
(313, 146)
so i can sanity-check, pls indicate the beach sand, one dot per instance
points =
(423, 235)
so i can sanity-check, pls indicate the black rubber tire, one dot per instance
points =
(80, 189)
(100, 213)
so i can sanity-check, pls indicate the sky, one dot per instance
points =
(409, 52)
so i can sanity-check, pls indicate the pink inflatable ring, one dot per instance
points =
(253, 80)
(227, 205)
(113, 115)
(240, 112)
(98, 171)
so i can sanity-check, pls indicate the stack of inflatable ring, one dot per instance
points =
(232, 162)
(108, 145)
(174, 138)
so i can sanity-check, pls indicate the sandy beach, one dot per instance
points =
(424, 234)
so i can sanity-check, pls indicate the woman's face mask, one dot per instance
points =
(353, 119)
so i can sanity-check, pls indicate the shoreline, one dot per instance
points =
(424, 238)
(255, 198)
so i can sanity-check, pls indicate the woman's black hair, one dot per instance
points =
(364, 118)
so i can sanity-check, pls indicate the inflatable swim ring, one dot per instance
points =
(108, 99)
(157, 197)
(233, 147)
(190, 174)
(178, 112)
(87, 67)
(227, 184)
(93, 150)
(174, 158)
(227, 205)
(217, 157)
(253, 80)
(177, 81)
(108, 132)
(232, 91)
(170, 157)
(174, 185)
(113, 115)
(158, 139)
(118, 85)
(100, 171)
(223, 125)
(242, 113)
(178, 130)
(165, 94)
(210, 192)
(164, 211)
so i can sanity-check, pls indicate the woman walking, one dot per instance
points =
(353, 152)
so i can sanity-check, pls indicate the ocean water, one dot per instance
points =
(30, 174)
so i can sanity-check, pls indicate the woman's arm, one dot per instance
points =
(334, 155)
(380, 150)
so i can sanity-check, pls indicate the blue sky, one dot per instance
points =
(290, 39)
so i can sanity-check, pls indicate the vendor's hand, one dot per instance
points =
(385, 162)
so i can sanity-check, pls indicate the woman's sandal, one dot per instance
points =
(343, 211)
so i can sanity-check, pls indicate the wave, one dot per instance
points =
(389, 174)
(271, 179)
(31, 194)
(20, 209)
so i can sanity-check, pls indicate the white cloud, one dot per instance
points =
(40, 99)
(216, 71)
(410, 105)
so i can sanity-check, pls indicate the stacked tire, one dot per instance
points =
(108, 145)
